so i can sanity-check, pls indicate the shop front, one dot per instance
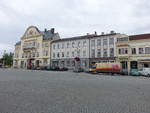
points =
(143, 63)
(125, 65)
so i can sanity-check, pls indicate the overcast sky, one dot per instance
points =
(71, 17)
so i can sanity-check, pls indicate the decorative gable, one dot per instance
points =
(31, 32)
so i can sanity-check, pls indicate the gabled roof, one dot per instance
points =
(18, 43)
(139, 37)
(48, 35)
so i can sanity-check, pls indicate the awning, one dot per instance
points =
(144, 60)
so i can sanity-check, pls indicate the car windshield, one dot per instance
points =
(94, 66)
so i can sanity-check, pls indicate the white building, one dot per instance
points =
(64, 51)
(90, 49)
(103, 47)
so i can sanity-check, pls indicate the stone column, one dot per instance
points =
(129, 67)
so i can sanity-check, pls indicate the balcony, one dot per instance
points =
(28, 48)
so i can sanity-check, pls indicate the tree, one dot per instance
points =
(8, 58)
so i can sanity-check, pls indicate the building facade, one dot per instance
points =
(64, 52)
(134, 52)
(123, 50)
(34, 48)
(90, 49)
(103, 48)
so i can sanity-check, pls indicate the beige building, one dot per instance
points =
(134, 52)
(34, 49)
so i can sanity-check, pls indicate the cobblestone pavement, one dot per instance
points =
(24, 91)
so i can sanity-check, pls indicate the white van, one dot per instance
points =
(145, 71)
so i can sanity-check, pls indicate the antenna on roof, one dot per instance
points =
(45, 30)
(53, 30)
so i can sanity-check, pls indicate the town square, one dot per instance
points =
(28, 91)
(74, 56)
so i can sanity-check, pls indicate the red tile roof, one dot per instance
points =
(139, 37)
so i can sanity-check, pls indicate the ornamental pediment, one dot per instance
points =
(31, 31)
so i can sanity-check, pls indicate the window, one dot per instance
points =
(33, 54)
(27, 55)
(105, 53)
(111, 41)
(104, 42)
(73, 54)
(93, 43)
(38, 45)
(34, 43)
(78, 53)
(84, 53)
(79, 44)
(133, 50)
(45, 61)
(68, 54)
(63, 54)
(141, 50)
(73, 44)
(58, 55)
(46, 53)
(17, 55)
(53, 55)
(99, 42)
(98, 52)
(57, 46)
(84, 43)
(68, 45)
(46, 44)
(54, 46)
(37, 54)
(22, 55)
(93, 53)
(147, 50)
(122, 39)
(120, 51)
(111, 52)
(123, 51)
(63, 45)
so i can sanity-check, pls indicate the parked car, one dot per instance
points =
(55, 68)
(124, 72)
(135, 72)
(63, 69)
(145, 71)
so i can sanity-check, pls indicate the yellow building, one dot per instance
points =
(123, 49)
(34, 49)
(133, 52)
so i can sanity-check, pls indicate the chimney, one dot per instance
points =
(95, 33)
(45, 30)
(102, 33)
(52, 30)
(112, 32)
(88, 33)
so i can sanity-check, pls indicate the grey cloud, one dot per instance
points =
(73, 17)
